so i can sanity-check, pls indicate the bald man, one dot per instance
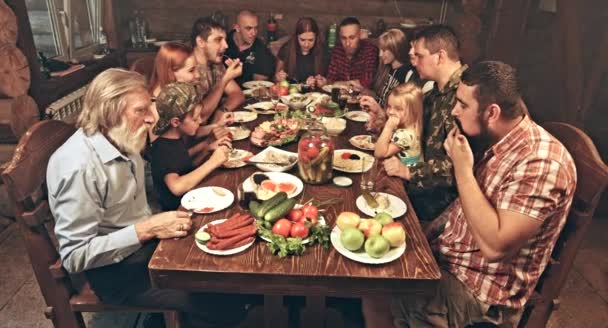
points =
(243, 43)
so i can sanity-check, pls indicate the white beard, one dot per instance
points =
(127, 141)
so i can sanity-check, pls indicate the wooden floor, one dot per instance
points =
(584, 298)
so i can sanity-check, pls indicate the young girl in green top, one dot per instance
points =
(403, 129)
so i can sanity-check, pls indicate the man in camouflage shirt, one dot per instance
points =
(209, 43)
(431, 186)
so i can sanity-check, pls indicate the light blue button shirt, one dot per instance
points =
(96, 195)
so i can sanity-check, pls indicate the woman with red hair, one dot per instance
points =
(175, 62)
(303, 57)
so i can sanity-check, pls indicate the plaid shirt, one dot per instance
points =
(527, 172)
(361, 67)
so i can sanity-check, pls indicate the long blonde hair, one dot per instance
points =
(104, 100)
(395, 41)
(409, 96)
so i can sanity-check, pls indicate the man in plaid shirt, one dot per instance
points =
(353, 61)
(515, 195)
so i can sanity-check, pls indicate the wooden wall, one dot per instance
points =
(173, 19)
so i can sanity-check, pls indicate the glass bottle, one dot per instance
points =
(315, 155)
(103, 42)
(331, 37)
(271, 28)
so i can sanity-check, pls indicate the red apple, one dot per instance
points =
(394, 233)
(347, 219)
(370, 227)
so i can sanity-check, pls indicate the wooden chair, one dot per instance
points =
(66, 295)
(592, 175)
(144, 66)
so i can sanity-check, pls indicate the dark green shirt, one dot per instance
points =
(432, 187)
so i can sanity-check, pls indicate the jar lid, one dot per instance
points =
(342, 181)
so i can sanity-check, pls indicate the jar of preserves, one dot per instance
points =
(315, 155)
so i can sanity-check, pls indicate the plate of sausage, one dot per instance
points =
(227, 236)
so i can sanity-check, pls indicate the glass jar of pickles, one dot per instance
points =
(315, 155)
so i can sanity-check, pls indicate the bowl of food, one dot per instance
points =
(275, 160)
(296, 101)
(334, 125)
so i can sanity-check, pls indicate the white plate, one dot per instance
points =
(357, 116)
(265, 156)
(396, 207)
(277, 177)
(362, 141)
(327, 88)
(242, 116)
(239, 133)
(257, 84)
(304, 241)
(221, 252)
(248, 92)
(200, 198)
(266, 107)
(361, 256)
(236, 158)
(352, 165)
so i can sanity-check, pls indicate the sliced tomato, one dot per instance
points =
(287, 187)
(269, 185)
(345, 155)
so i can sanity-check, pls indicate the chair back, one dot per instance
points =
(144, 66)
(25, 178)
(592, 178)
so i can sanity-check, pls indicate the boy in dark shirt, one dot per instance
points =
(173, 172)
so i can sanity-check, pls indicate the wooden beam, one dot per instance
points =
(570, 63)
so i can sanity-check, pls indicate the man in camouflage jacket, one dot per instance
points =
(431, 186)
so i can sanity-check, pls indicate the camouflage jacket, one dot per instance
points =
(209, 76)
(432, 187)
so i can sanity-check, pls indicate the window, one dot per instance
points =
(65, 28)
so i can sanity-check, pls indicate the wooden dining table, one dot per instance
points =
(318, 273)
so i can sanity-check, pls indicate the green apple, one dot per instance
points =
(384, 218)
(352, 239)
(293, 89)
(394, 233)
(284, 84)
(376, 246)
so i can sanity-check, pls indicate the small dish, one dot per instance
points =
(239, 132)
(342, 181)
(270, 153)
(357, 116)
(396, 206)
(244, 116)
(257, 84)
(206, 200)
(334, 125)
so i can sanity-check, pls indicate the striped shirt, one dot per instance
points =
(527, 172)
(361, 67)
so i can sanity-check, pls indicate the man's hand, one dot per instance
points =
(457, 147)
(395, 168)
(370, 105)
(280, 76)
(320, 81)
(164, 225)
(225, 141)
(356, 85)
(234, 69)
(220, 132)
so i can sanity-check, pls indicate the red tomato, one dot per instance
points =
(299, 229)
(283, 91)
(345, 155)
(312, 152)
(295, 215)
(311, 213)
(282, 227)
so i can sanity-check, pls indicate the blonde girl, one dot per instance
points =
(403, 129)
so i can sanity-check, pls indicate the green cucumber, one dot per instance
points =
(280, 210)
(253, 208)
(270, 203)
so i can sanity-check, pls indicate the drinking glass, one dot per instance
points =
(368, 178)
(274, 98)
(244, 197)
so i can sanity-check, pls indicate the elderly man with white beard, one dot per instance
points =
(103, 223)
